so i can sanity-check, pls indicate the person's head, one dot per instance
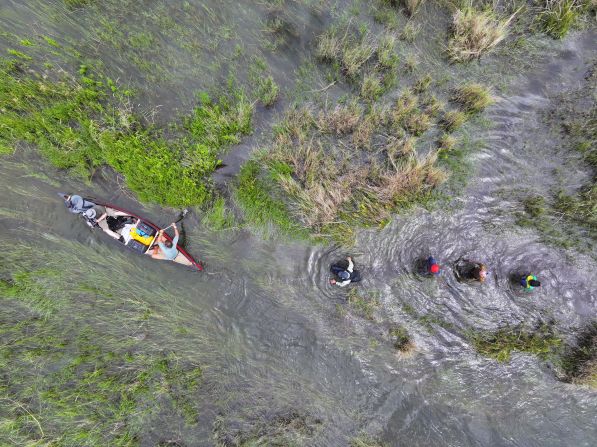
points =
(434, 269)
(482, 272)
(343, 275)
(534, 283)
(168, 244)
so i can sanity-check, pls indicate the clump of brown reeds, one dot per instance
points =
(417, 123)
(475, 33)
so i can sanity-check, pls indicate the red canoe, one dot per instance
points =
(145, 232)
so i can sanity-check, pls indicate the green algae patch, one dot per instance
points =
(81, 124)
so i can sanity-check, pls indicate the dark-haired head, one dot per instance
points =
(534, 283)
(168, 244)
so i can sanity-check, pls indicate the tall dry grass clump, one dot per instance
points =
(475, 33)
(341, 120)
(328, 47)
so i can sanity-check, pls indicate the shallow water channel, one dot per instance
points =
(265, 325)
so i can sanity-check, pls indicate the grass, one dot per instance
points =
(371, 89)
(267, 91)
(412, 6)
(559, 16)
(473, 97)
(67, 378)
(540, 340)
(453, 120)
(475, 33)
(365, 440)
(82, 124)
(575, 363)
(218, 217)
(401, 340)
(579, 362)
(254, 196)
(363, 304)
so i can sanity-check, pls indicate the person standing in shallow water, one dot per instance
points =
(529, 282)
(480, 272)
(466, 270)
(344, 273)
(433, 268)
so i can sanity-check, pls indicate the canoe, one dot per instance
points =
(145, 232)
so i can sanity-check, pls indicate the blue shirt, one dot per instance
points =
(172, 252)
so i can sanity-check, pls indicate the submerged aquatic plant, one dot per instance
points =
(474, 33)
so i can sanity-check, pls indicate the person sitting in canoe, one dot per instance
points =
(166, 249)
(77, 204)
(344, 272)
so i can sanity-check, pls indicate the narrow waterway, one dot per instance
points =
(264, 320)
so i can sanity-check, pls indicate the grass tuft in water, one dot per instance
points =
(474, 33)
(540, 340)
(578, 363)
(401, 340)
(474, 98)
(363, 304)
(453, 119)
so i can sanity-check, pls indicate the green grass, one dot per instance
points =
(267, 91)
(401, 339)
(218, 216)
(499, 345)
(559, 16)
(473, 97)
(254, 193)
(82, 124)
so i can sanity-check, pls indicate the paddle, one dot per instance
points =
(183, 213)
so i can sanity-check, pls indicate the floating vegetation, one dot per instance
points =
(401, 340)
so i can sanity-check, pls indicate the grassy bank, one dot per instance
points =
(80, 123)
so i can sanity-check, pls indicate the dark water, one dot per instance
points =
(264, 320)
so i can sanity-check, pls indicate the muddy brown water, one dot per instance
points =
(264, 320)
